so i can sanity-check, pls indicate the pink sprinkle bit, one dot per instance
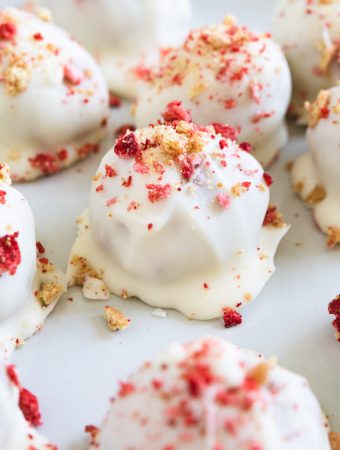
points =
(223, 200)
(111, 202)
(141, 168)
(175, 112)
(157, 192)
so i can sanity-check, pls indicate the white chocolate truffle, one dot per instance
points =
(29, 287)
(123, 34)
(224, 73)
(15, 432)
(316, 175)
(212, 395)
(309, 32)
(176, 218)
(53, 97)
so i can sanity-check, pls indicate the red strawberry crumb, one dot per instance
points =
(271, 216)
(334, 309)
(87, 148)
(40, 248)
(157, 192)
(3, 197)
(12, 375)
(72, 76)
(38, 37)
(246, 184)
(245, 146)
(224, 200)
(62, 154)
(141, 168)
(226, 131)
(114, 101)
(45, 162)
(150, 225)
(92, 430)
(175, 112)
(267, 179)
(187, 169)
(125, 389)
(100, 188)
(127, 146)
(29, 406)
(112, 201)
(7, 31)
(206, 285)
(128, 182)
(231, 318)
(110, 172)
(10, 256)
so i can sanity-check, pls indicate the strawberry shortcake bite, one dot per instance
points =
(211, 395)
(224, 73)
(29, 284)
(53, 97)
(316, 174)
(309, 32)
(179, 216)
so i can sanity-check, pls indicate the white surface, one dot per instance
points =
(73, 364)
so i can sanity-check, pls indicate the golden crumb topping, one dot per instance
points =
(319, 109)
(116, 320)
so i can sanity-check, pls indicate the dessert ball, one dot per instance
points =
(210, 394)
(18, 415)
(224, 73)
(29, 286)
(176, 218)
(309, 32)
(316, 175)
(124, 35)
(53, 97)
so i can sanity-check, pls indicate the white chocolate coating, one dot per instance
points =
(194, 244)
(15, 432)
(309, 32)
(53, 97)
(316, 175)
(224, 73)
(123, 34)
(211, 395)
(21, 312)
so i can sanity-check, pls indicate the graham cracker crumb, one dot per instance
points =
(260, 372)
(116, 320)
(317, 109)
(334, 439)
(316, 196)
(333, 236)
(48, 292)
(83, 269)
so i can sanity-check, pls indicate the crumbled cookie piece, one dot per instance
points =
(116, 320)
(49, 292)
(334, 439)
(319, 109)
(333, 236)
(83, 269)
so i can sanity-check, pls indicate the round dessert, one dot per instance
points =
(309, 32)
(176, 218)
(224, 73)
(125, 36)
(29, 286)
(316, 175)
(53, 97)
(209, 394)
(18, 415)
